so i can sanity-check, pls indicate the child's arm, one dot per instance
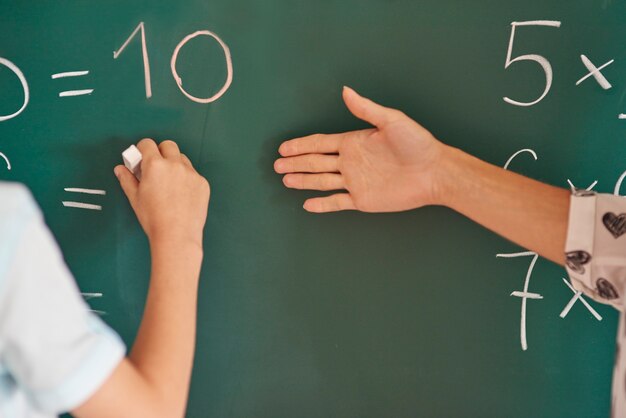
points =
(399, 165)
(171, 203)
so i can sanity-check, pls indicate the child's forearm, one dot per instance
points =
(163, 350)
(154, 380)
(171, 203)
(525, 211)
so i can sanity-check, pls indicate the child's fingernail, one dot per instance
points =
(116, 171)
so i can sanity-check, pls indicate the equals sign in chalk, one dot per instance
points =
(92, 295)
(81, 205)
(71, 93)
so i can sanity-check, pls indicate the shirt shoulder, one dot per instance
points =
(15, 197)
(17, 210)
(55, 351)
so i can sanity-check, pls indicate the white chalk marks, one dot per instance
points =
(72, 93)
(616, 189)
(525, 294)
(595, 72)
(589, 188)
(86, 191)
(79, 205)
(512, 157)
(179, 82)
(6, 160)
(93, 295)
(542, 61)
(592, 70)
(618, 185)
(139, 31)
(88, 296)
(229, 67)
(577, 296)
(20, 76)
(69, 74)
(82, 205)
(144, 54)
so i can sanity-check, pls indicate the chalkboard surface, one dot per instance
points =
(350, 314)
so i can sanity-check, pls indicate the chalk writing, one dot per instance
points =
(229, 67)
(512, 157)
(179, 82)
(595, 72)
(81, 205)
(542, 61)
(573, 188)
(577, 296)
(72, 93)
(144, 54)
(525, 294)
(4, 157)
(93, 295)
(140, 31)
(20, 76)
(618, 185)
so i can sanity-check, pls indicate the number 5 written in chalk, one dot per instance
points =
(542, 61)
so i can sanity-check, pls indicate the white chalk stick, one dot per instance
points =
(132, 160)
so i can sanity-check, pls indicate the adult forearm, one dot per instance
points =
(163, 350)
(525, 211)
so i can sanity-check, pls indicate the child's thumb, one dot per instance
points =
(367, 110)
(128, 182)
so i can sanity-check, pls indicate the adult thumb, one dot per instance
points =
(128, 182)
(368, 110)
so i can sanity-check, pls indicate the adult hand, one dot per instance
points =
(388, 168)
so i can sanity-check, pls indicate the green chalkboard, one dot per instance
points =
(349, 314)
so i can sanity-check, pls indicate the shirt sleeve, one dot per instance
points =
(57, 351)
(595, 249)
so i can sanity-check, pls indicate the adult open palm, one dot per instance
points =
(388, 168)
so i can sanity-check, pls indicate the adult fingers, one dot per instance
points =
(169, 149)
(333, 203)
(312, 144)
(309, 163)
(369, 111)
(324, 182)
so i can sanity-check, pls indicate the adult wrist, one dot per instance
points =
(446, 176)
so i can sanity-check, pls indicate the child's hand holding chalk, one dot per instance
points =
(168, 195)
(171, 202)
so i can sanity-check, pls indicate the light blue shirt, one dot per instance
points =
(54, 353)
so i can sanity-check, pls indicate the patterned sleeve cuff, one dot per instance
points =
(595, 250)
